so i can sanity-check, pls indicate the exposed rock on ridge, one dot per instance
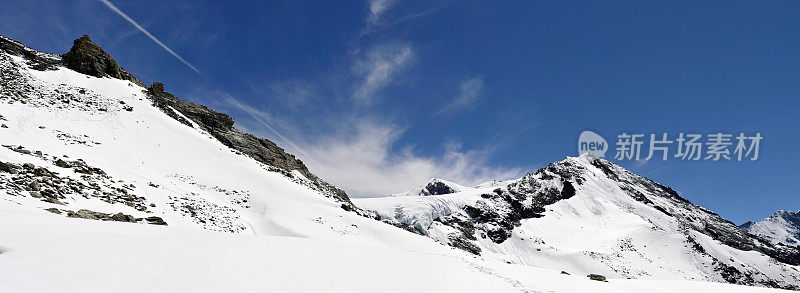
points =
(220, 126)
(88, 58)
(37, 60)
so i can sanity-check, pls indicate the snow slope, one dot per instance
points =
(47, 253)
(100, 190)
(586, 215)
(170, 170)
(783, 227)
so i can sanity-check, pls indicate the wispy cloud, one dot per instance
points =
(356, 147)
(147, 33)
(377, 22)
(365, 163)
(469, 94)
(378, 68)
(377, 8)
(359, 147)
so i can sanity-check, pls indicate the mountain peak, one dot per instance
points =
(435, 186)
(89, 58)
(782, 227)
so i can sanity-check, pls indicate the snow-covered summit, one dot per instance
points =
(587, 214)
(434, 187)
(782, 227)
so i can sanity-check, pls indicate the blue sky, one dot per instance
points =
(379, 96)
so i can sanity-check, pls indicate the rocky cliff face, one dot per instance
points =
(88, 58)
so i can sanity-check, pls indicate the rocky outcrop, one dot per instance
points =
(37, 60)
(88, 58)
(50, 186)
(438, 187)
(85, 57)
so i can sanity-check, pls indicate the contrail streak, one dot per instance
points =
(228, 96)
(250, 111)
(140, 28)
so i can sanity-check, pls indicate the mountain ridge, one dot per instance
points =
(89, 58)
(509, 223)
(781, 228)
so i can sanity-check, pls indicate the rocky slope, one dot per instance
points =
(586, 214)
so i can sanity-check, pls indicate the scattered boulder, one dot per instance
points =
(155, 221)
(8, 167)
(120, 217)
(53, 210)
(87, 214)
(53, 200)
(35, 186)
(63, 164)
(564, 273)
(597, 277)
(35, 194)
(40, 171)
(22, 151)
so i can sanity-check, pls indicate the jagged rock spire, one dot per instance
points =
(89, 58)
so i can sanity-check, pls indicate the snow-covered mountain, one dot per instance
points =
(783, 227)
(585, 214)
(434, 187)
(108, 185)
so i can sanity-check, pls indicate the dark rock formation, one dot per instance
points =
(92, 215)
(156, 221)
(438, 187)
(37, 60)
(597, 277)
(88, 58)
(120, 217)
